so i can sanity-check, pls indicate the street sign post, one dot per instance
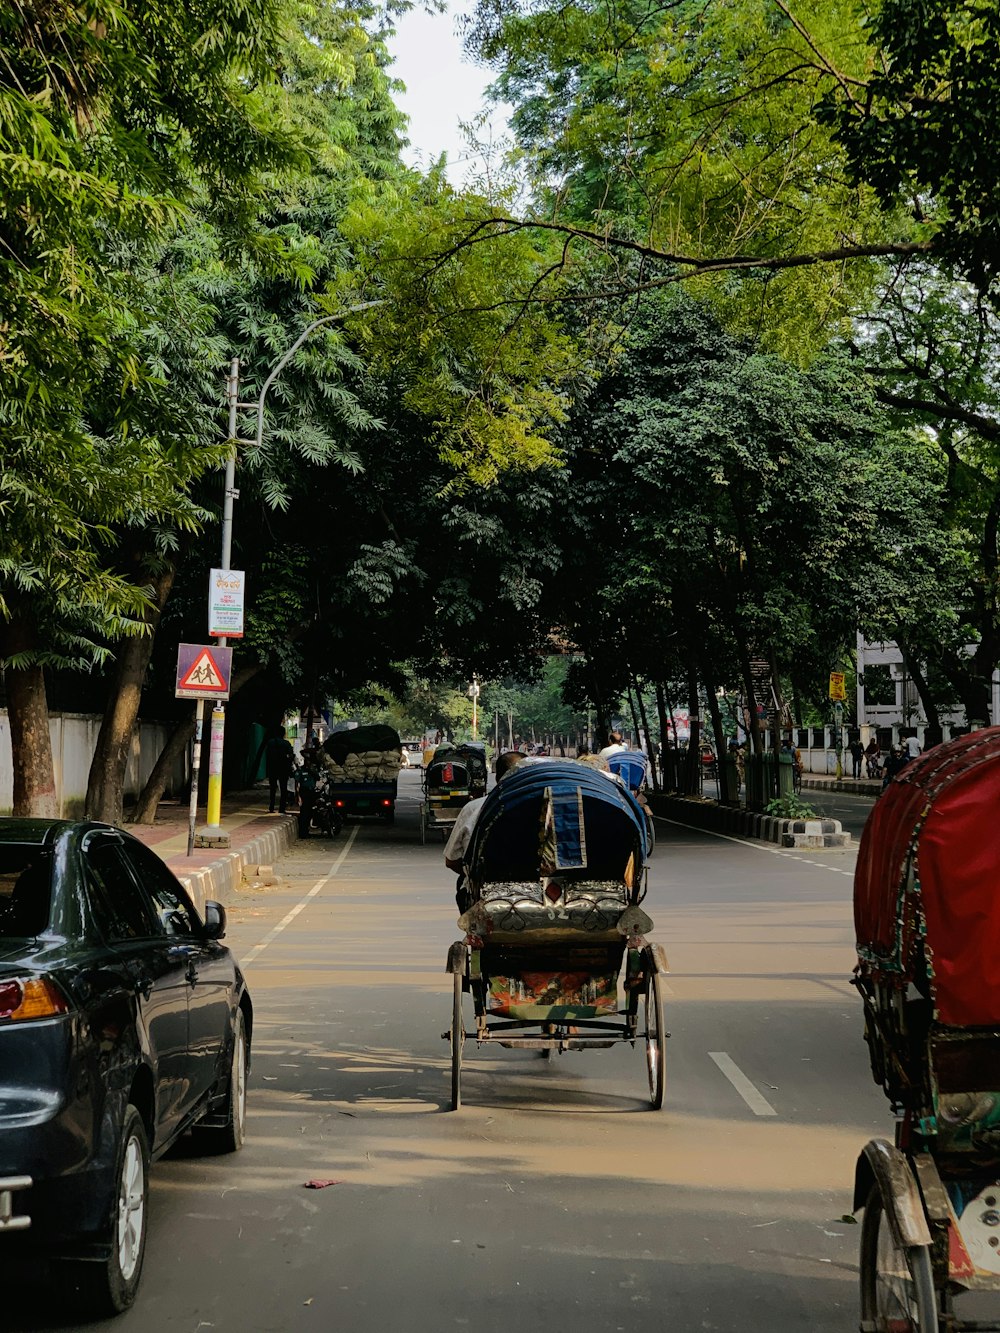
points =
(204, 672)
(225, 603)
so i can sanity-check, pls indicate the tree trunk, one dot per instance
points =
(632, 710)
(692, 769)
(666, 716)
(726, 797)
(933, 734)
(649, 740)
(156, 784)
(107, 769)
(30, 741)
(753, 720)
(973, 691)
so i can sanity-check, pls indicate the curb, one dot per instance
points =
(862, 787)
(699, 813)
(222, 879)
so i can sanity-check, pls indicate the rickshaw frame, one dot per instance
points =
(644, 962)
(931, 1199)
(434, 814)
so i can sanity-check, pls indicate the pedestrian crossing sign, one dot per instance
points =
(203, 671)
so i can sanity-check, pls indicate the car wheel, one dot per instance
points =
(109, 1287)
(230, 1133)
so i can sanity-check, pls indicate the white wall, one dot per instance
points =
(74, 738)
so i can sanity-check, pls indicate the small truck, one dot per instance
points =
(361, 766)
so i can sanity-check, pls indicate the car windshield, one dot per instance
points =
(25, 890)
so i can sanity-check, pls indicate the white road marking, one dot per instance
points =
(758, 1104)
(757, 845)
(318, 887)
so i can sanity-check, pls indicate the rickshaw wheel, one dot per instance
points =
(656, 1037)
(457, 1042)
(897, 1285)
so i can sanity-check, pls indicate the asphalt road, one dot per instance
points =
(555, 1199)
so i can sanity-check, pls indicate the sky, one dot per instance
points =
(442, 88)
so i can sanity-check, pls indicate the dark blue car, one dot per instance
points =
(124, 1023)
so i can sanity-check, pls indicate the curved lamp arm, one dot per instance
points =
(280, 365)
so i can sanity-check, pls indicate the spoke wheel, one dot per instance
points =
(656, 1037)
(109, 1287)
(897, 1284)
(457, 1042)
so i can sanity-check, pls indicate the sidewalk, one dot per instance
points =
(257, 837)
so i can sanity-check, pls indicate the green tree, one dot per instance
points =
(106, 118)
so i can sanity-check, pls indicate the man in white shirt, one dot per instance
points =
(614, 745)
(912, 747)
(458, 843)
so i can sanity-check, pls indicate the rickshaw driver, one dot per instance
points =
(458, 842)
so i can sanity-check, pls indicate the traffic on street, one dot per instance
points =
(555, 1194)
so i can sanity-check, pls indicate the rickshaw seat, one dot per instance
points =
(554, 911)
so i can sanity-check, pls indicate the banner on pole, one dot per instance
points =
(225, 603)
(837, 690)
(203, 671)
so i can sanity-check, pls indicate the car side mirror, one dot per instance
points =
(215, 920)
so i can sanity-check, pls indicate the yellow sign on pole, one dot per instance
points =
(837, 690)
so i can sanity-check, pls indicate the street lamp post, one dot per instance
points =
(474, 696)
(213, 833)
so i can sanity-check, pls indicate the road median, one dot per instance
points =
(696, 812)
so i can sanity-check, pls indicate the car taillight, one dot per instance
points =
(387, 803)
(339, 804)
(24, 998)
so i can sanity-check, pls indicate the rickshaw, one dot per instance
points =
(455, 775)
(555, 874)
(927, 917)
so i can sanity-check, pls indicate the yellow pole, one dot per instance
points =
(214, 811)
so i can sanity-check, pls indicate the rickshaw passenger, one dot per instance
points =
(458, 842)
(616, 743)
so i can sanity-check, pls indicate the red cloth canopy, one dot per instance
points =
(947, 803)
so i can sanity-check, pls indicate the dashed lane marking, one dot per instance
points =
(757, 846)
(758, 1104)
(318, 887)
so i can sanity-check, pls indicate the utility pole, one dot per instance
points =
(474, 696)
(213, 835)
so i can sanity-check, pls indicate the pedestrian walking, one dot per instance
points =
(857, 756)
(279, 763)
